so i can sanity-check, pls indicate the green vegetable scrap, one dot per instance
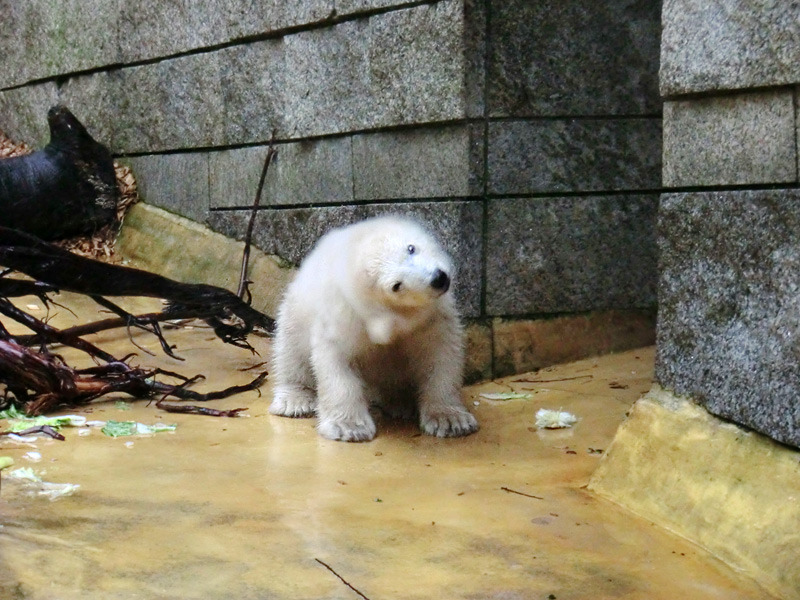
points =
(122, 405)
(12, 412)
(554, 419)
(24, 474)
(18, 421)
(125, 428)
(5, 462)
(36, 487)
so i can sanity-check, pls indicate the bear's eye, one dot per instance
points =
(396, 287)
(411, 249)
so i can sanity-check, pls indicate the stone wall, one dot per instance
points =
(527, 134)
(729, 293)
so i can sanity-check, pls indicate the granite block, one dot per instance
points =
(171, 104)
(574, 155)
(42, 39)
(420, 163)
(75, 35)
(400, 67)
(417, 64)
(728, 44)
(327, 86)
(175, 182)
(194, 25)
(555, 255)
(478, 363)
(233, 177)
(152, 28)
(575, 57)
(311, 172)
(248, 18)
(291, 233)
(64, 41)
(13, 35)
(257, 16)
(523, 345)
(743, 139)
(23, 113)
(252, 79)
(474, 39)
(729, 301)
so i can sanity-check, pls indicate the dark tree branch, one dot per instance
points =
(116, 322)
(149, 325)
(51, 333)
(61, 269)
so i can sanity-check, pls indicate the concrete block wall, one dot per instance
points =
(526, 134)
(729, 291)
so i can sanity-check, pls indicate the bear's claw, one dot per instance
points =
(449, 424)
(356, 430)
(293, 403)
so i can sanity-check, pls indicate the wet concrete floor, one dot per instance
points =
(261, 507)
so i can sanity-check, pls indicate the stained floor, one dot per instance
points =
(261, 507)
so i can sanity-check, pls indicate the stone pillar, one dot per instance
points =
(728, 338)
(729, 233)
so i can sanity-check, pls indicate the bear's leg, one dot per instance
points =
(438, 359)
(342, 408)
(293, 390)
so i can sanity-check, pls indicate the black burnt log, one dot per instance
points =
(66, 189)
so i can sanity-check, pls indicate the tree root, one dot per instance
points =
(42, 382)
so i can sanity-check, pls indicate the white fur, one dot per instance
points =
(347, 340)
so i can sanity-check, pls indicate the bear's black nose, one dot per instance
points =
(440, 281)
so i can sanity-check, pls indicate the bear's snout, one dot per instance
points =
(440, 281)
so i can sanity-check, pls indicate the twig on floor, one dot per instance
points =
(198, 410)
(510, 491)
(45, 429)
(550, 380)
(342, 579)
(255, 366)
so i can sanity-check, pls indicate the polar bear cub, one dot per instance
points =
(369, 320)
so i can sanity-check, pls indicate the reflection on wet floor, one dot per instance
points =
(261, 507)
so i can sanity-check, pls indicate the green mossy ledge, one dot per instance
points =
(170, 245)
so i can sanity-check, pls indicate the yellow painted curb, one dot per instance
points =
(734, 492)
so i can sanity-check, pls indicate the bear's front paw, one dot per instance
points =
(449, 423)
(293, 402)
(356, 429)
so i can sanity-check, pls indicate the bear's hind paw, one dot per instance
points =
(449, 424)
